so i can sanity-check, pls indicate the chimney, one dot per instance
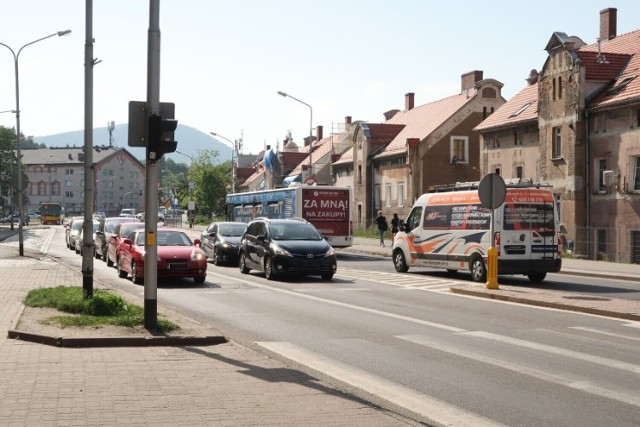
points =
(608, 23)
(408, 101)
(533, 77)
(318, 132)
(469, 79)
(347, 121)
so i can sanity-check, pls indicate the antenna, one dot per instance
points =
(110, 126)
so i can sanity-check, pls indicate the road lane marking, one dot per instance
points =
(601, 332)
(429, 407)
(349, 306)
(630, 397)
(604, 361)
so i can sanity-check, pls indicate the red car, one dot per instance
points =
(178, 256)
(121, 231)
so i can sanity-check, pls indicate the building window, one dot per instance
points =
(556, 149)
(459, 149)
(387, 195)
(601, 241)
(68, 171)
(560, 87)
(42, 189)
(557, 198)
(376, 197)
(68, 183)
(400, 194)
(636, 178)
(600, 165)
(553, 95)
(68, 194)
(359, 174)
(55, 189)
(518, 171)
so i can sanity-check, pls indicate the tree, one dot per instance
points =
(7, 159)
(209, 181)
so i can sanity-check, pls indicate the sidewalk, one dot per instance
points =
(221, 385)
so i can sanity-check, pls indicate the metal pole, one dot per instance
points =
(19, 190)
(87, 226)
(310, 129)
(151, 197)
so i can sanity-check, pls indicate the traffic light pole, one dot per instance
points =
(151, 192)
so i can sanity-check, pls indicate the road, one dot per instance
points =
(405, 343)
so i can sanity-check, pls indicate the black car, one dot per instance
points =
(104, 232)
(220, 241)
(282, 247)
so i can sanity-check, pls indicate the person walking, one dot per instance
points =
(395, 224)
(381, 220)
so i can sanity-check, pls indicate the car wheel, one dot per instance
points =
(199, 280)
(216, 257)
(399, 262)
(121, 273)
(104, 254)
(134, 273)
(326, 276)
(243, 265)
(268, 268)
(96, 255)
(478, 269)
(537, 277)
(109, 262)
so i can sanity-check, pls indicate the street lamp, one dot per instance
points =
(19, 189)
(236, 146)
(286, 95)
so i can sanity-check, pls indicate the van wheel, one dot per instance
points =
(399, 262)
(243, 265)
(478, 269)
(537, 277)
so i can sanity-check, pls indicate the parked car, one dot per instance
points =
(103, 234)
(281, 247)
(71, 230)
(178, 256)
(79, 238)
(121, 231)
(220, 241)
(15, 219)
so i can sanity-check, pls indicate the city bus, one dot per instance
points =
(326, 207)
(51, 213)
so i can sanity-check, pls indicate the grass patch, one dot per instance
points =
(103, 309)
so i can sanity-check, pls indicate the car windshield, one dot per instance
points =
(110, 225)
(127, 229)
(232, 230)
(77, 225)
(294, 232)
(140, 239)
(173, 238)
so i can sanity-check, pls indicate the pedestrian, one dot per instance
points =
(395, 224)
(381, 220)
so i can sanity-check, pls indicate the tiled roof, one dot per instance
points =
(421, 121)
(383, 133)
(345, 158)
(522, 107)
(603, 67)
(68, 156)
(626, 87)
(320, 149)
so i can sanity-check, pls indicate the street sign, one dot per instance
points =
(492, 191)
(14, 180)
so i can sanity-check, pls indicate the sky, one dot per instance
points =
(223, 62)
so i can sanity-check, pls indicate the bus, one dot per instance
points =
(51, 213)
(328, 208)
(449, 228)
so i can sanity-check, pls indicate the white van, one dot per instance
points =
(448, 228)
(127, 212)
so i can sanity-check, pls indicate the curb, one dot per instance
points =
(539, 303)
(117, 341)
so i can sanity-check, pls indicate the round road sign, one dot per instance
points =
(492, 191)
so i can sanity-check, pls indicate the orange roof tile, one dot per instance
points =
(421, 121)
(522, 107)
(602, 67)
(345, 158)
(320, 149)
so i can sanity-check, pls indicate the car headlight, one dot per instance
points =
(279, 251)
(330, 252)
(226, 245)
(197, 256)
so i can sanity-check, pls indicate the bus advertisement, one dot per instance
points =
(326, 207)
(51, 213)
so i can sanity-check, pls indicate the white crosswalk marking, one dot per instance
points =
(404, 281)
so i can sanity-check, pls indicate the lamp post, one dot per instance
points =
(236, 146)
(19, 189)
(286, 95)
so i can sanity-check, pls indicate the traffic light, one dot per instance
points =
(160, 137)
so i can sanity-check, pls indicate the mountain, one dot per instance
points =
(190, 142)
